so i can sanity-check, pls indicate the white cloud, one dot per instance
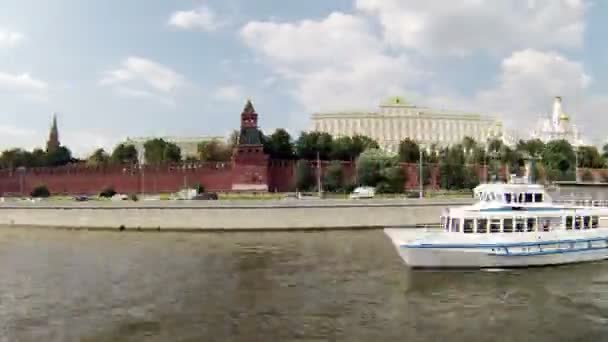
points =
(12, 136)
(141, 71)
(335, 63)
(459, 27)
(10, 38)
(229, 93)
(21, 83)
(202, 18)
(527, 83)
(82, 143)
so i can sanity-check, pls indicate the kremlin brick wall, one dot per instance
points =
(279, 175)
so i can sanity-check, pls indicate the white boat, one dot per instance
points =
(510, 225)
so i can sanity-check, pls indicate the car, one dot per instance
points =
(363, 192)
(205, 196)
(81, 198)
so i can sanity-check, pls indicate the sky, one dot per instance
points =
(118, 68)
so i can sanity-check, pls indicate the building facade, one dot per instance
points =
(397, 120)
(187, 145)
(557, 126)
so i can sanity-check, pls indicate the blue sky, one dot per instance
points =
(113, 69)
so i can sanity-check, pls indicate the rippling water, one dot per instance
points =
(333, 286)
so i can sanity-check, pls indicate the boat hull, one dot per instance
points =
(451, 258)
(422, 249)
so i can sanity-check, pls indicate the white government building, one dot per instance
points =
(397, 120)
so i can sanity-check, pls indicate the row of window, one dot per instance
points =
(513, 198)
(582, 222)
(517, 225)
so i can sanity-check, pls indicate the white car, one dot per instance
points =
(363, 192)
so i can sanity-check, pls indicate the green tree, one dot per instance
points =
(59, 157)
(452, 168)
(334, 177)
(158, 151)
(233, 139)
(124, 154)
(393, 180)
(309, 144)
(559, 160)
(471, 178)
(409, 151)
(343, 149)
(279, 145)
(590, 157)
(305, 177)
(214, 151)
(378, 169)
(362, 143)
(533, 148)
(98, 158)
(468, 143)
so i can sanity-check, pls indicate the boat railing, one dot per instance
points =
(584, 202)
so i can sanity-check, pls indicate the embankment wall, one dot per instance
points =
(224, 217)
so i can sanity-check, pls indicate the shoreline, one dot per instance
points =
(322, 215)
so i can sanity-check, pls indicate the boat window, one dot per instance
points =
(569, 221)
(508, 198)
(495, 226)
(455, 225)
(520, 225)
(468, 226)
(520, 198)
(546, 225)
(531, 224)
(508, 225)
(538, 198)
(528, 198)
(482, 225)
(577, 222)
(595, 222)
(586, 222)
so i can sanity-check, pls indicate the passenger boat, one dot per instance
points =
(511, 225)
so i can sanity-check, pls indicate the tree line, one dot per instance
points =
(555, 160)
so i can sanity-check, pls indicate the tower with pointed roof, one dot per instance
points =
(249, 161)
(53, 143)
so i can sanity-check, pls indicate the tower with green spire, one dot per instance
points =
(249, 148)
(53, 143)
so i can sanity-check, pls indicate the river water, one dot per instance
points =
(60, 285)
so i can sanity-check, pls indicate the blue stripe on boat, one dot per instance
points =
(557, 251)
(502, 245)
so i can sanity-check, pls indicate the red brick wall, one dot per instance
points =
(78, 180)
(280, 175)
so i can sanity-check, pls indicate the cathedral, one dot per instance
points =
(557, 126)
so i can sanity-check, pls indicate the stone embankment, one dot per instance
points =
(226, 215)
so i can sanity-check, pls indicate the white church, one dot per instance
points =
(558, 126)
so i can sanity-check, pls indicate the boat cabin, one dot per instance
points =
(509, 223)
(512, 194)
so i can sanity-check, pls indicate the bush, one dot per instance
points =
(40, 191)
(587, 176)
(133, 197)
(200, 189)
(107, 193)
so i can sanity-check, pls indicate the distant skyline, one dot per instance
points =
(113, 69)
